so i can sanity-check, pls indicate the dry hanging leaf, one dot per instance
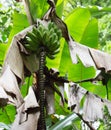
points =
(101, 59)
(3, 97)
(50, 100)
(31, 62)
(27, 114)
(76, 93)
(93, 107)
(8, 82)
(25, 121)
(30, 100)
(13, 57)
(89, 56)
(61, 87)
(82, 52)
(14, 60)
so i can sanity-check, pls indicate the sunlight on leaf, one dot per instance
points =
(38, 8)
(75, 71)
(90, 35)
(20, 22)
(3, 48)
(82, 27)
(60, 7)
(8, 114)
(77, 22)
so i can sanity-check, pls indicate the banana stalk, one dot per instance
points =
(41, 88)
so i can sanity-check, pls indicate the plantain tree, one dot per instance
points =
(53, 75)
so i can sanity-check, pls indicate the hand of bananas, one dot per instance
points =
(47, 37)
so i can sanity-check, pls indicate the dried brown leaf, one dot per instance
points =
(76, 93)
(30, 100)
(61, 88)
(27, 114)
(31, 62)
(14, 60)
(102, 60)
(93, 107)
(3, 97)
(50, 100)
(24, 121)
(8, 82)
(89, 56)
(82, 52)
(13, 57)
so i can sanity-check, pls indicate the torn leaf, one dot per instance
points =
(13, 57)
(82, 52)
(3, 97)
(61, 87)
(31, 62)
(30, 100)
(102, 60)
(27, 114)
(25, 121)
(8, 82)
(89, 56)
(50, 100)
(93, 107)
(76, 93)
(14, 60)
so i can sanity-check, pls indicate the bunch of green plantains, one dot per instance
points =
(47, 37)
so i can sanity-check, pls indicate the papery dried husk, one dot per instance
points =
(27, 114)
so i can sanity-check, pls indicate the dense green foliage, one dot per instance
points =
(87, 25)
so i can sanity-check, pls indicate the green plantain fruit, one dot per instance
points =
(54, 46)
(54, 52)
(52, 38)
(50, 25)
(32, 36)
(51, 31)
(31, 42)
(44, 36)
(59, 34)
(51, 56)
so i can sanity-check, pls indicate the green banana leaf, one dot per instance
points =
(3, 48)
(20, 22)
(75, 72)
(7, 115)
(59, 7)
(109, 89)
(82, 27)
(96, 10)
(38, 8)
(90, 35)
(84, 30)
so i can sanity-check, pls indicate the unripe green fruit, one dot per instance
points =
(47, 37)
